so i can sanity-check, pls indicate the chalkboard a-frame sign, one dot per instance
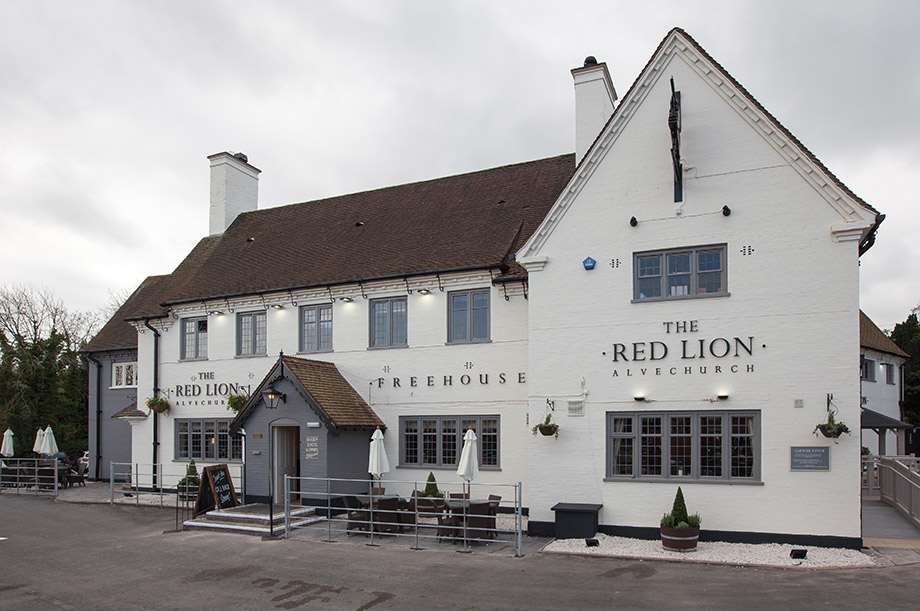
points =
(215, 491)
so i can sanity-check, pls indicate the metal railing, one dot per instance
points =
(899, 485)
(32, 475)
(474, 513)
(159, 482)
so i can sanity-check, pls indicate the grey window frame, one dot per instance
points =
(635, 434)
(867, 370)
(890, 378)
(468, 313)
(234, 443)
(124, 366)
(460, 431)
(318, 308)
(253, 330)
(694, 272)
(389, 330)
(183, 352)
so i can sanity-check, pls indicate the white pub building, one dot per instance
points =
(680, 297)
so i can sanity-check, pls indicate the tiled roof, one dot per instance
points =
(340, 404)
(118, 334)
(469, 221)
(335, 396)
(870, 336)
(130, 412)
(874, 420)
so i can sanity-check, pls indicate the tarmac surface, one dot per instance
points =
(58, 555)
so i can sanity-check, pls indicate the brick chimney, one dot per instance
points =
(594, 101)
(234, 189)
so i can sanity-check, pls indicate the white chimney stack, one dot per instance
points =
(234, 189)
(594, 100)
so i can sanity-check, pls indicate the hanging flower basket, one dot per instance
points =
(547, 428)
(158, 405)
(831, 429)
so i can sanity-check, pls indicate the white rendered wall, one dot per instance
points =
(881, 397)
(795, 293)
(497, 382)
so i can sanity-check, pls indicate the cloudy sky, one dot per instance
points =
(108, 110)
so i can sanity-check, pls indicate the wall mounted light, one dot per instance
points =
(346, 299)
(215, 313)
(640, 398)
(272, 397)
(723, 397)
(633, 222)
(726, 211)
(278, 306)
(423, 292)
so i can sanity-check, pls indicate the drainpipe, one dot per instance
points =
(98, 410)
(156, 389)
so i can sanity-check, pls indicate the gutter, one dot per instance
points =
(869, 240)
(98, 410)
(156, 390)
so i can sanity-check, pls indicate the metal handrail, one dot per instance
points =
(899, 485)
(295, 489)
(23, 475)
(161, 479)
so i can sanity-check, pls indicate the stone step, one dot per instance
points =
(244, 529)
(255, 519)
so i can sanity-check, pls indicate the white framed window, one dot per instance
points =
(389, 318)
(680, 273)
(890, 373)
(207, 440)
(867, 370)
(194, 339)
(436, 441)
(316, 328)
(251, 333)
(468, 316)
(684, 446)
(124, 375)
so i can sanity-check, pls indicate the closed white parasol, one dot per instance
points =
(7, 448)
(468, 468)
(377, 463)
(49, 444)
(39, 440)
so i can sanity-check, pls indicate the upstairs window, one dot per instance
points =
(250, 334)
(680, 273)
(124, 375)
(316, 328)
(388, 323)
(889, 374)
(194, 339)
(868, 370)
(468, 316)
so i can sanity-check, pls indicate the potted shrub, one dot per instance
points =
(547, 427)
(832, 429)
(679, 531)
(158, 404)
(431, 488)
(236, 402)
(188, 485)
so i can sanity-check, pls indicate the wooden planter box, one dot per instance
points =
(680, 539)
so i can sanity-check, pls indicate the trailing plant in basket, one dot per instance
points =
(236, 402)
(546, 428)
(831, 429)
(158, 404)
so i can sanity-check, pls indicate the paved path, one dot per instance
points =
(889, 533)
(80, 556)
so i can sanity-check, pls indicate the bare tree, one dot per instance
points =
(28, 315)
(117, 298)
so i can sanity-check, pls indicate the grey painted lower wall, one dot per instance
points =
(114, 438)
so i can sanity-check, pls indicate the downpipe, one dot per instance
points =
(156, 390)
(98, 411)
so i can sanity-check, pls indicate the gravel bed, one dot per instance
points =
(742, 554)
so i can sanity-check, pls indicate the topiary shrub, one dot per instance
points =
(191, 475)
(431, 487)
(679, 510)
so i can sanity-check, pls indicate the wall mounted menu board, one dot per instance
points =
(810, 458)
(215, 490)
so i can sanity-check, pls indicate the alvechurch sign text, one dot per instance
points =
(696, 349)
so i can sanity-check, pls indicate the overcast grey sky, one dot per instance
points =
(108, 110)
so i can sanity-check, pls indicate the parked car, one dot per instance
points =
(61, 457)
(84, 460)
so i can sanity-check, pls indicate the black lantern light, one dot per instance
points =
(272, 397)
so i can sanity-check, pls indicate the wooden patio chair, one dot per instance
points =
(357, 517)
(78, 477)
